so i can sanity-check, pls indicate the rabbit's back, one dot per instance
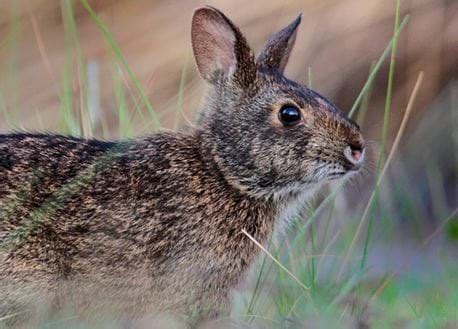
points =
(38, 165)
(69, 208)
(59, 188)
(39, 175)
(131, 216)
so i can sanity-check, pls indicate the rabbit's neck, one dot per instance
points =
(278, 206)
(248, 175)
(235, 211)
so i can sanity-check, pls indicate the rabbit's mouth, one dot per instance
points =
(326, 171)
(347, 170)
(336, 175)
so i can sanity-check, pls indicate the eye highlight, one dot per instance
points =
(289, 115)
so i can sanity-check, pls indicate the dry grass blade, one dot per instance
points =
(40, 44)
(440, 228)
(275, 260)
(383, 172)
(380, 288)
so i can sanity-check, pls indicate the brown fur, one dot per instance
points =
(155, 224)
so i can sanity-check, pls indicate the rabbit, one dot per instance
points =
(155, 224)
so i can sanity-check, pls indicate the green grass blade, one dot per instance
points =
(377, 66)
(75, 53)
(124, 126)
(312, 259)
(364, 106)
(257, 286)
(117, 51)
(68, 120)
(386, 119)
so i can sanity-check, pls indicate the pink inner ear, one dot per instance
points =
(223, 46)
(213, 43)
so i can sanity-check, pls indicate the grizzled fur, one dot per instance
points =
(155, 224)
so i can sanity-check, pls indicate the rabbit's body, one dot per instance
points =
(155, 224)
(65, 217)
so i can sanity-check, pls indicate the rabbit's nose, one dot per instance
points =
(354, 153)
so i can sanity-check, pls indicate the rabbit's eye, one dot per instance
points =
(289, 115)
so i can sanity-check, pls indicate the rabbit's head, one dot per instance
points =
(268, 135)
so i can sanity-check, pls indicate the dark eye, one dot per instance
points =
(289, 115)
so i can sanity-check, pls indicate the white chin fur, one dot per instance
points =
(292, 202)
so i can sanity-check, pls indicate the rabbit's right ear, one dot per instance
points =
(220, 48)
(276, 52)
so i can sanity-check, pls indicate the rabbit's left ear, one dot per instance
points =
(220, 48)
(276, 52)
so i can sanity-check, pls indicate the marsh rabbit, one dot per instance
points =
(155, 224)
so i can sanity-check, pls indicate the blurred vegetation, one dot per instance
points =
(381, 254)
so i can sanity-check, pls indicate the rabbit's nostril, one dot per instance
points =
(354, 153)
(356, 146)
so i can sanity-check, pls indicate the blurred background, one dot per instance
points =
(338, 40)
(120, 68)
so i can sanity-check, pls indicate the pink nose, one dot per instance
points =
(354, 154)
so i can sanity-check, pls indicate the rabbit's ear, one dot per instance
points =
(276, 52)
(220, 48)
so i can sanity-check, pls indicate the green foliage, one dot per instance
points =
(452, 228)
